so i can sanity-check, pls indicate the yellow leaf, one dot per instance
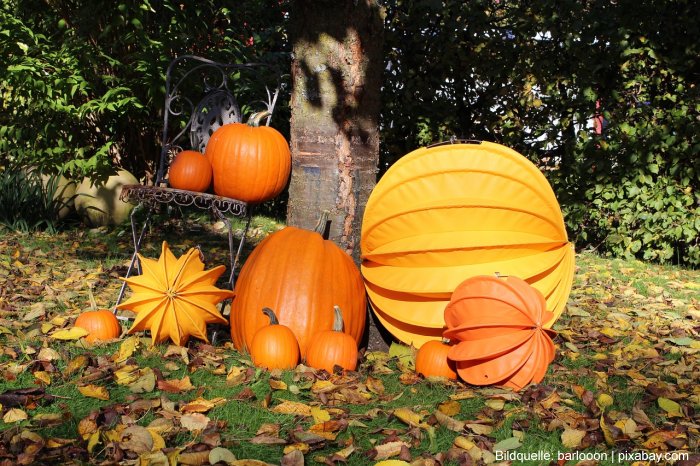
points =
(277, 384)
(496, 404)
(609, 438)
(449, 408)
(94, 391)
(375, 385)
(126, 374)
(672, 408)
(464, 443)
(604, 401)
(158, 441)
(43, 376)
(300, 446)
(126, 350)
(73, 333)
(392, 463)
(94, 441)
(292, 407)
(571, 438)
(14, 415)
(320, 415)
(145, 383)
(409, 417)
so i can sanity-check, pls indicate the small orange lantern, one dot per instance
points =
(498, 324)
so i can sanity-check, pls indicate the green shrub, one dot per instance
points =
(26, 204)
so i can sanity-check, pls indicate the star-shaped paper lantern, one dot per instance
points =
(175, 297)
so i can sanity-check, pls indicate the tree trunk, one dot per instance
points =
(336, 78)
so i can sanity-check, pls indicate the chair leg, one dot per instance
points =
(134, 264)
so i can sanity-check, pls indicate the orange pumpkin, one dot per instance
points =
(250, 163)
(499, 326)
(101, 324)
(432, 361)
(301, 276)
(274, 346)
(190, 170)
(332, 348)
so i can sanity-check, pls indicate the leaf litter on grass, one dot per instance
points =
(624, 380)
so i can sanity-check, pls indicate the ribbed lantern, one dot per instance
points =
(448, 212)
(497, 324)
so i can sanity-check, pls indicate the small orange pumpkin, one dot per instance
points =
(190, 170)
(431, 360)
(274, 346)
(250, 163)
(101, 324)
(332, 348)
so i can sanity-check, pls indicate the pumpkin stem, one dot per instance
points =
(337, 319)
(323, 227)
(93, 303)
(255, 119)
(271, 315)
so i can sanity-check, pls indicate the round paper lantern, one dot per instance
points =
(498, 326)
(451, 211)
(302, 276)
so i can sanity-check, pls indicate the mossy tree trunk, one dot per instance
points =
(336, 76)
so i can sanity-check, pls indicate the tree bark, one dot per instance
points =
(336, 79)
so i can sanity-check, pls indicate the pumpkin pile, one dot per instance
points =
(302, 277)
(247, 162)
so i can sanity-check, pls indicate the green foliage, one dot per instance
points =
(532, 75)
(84, 83)
(27, 204)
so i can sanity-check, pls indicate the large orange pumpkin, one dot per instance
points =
(499, 326)
(301, 276)
(190, 170)
(250, 163)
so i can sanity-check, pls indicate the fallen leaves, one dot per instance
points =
(624, 379)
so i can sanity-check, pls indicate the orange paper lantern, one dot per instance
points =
(451, 211)
(498, 326)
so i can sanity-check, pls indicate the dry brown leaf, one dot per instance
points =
(375, 385)
(201, 405)
(480, 429)
(176, 385)
(293, 458)
(194, 421)
(449, 422)
(221, 455)
(137, 439)
(571, 438)
(387, 450)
